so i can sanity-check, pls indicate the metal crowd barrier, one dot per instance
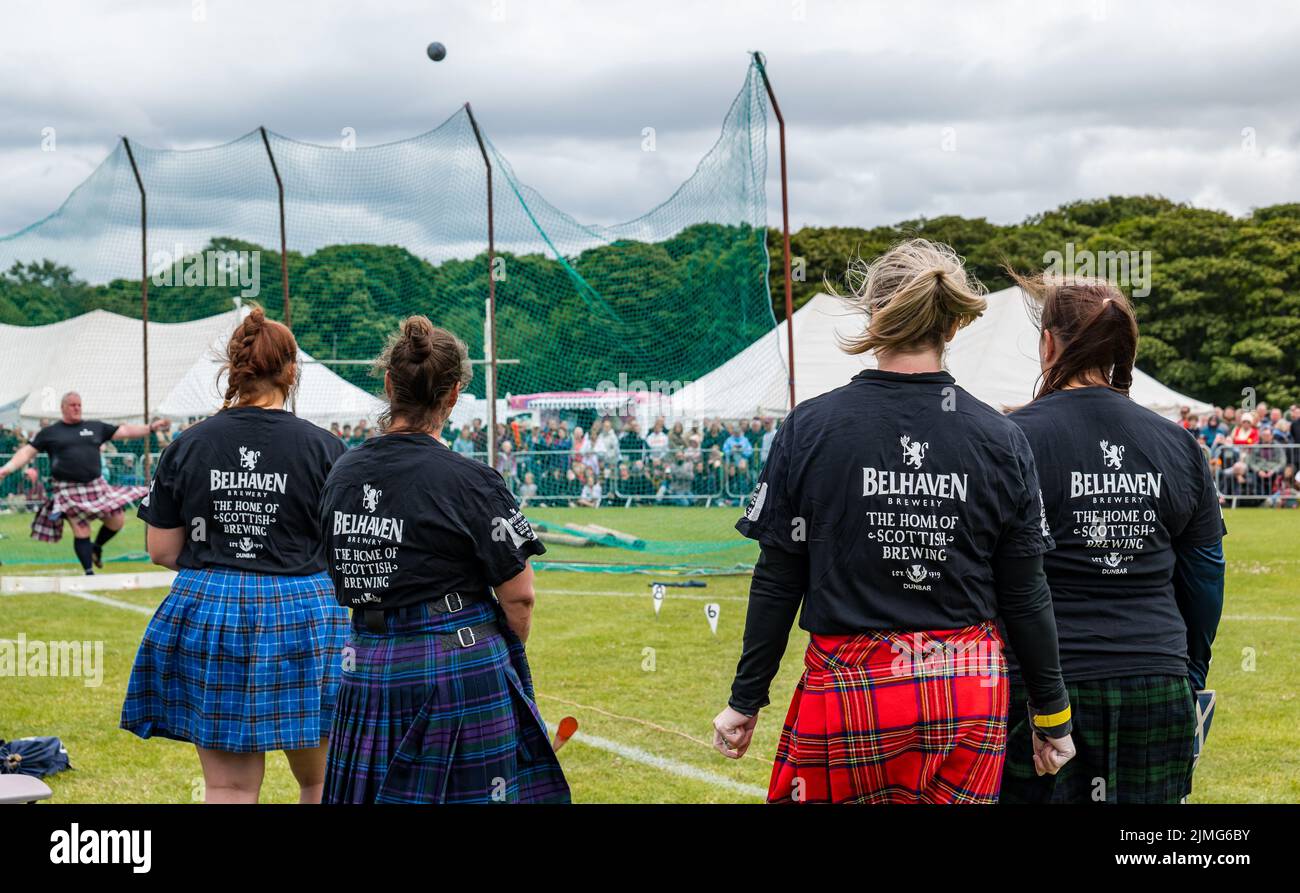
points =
(728, 479)
(1248, 473)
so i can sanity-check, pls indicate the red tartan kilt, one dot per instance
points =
(896, 718)
(77, 501)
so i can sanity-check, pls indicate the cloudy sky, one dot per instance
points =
(895, 110)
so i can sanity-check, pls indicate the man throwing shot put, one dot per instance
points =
(80, 494)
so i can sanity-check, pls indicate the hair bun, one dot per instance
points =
(418, 332)
(422, 364)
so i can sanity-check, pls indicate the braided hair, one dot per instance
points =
(261, 359)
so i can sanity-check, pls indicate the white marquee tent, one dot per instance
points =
(995, 359)
(98, 355)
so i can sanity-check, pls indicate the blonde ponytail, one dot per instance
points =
(913, 295)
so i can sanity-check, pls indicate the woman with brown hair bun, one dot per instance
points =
(904, 515)
(430, 551)
(242, 656)
(1137, 573)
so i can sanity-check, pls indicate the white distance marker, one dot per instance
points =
(657, 592)
(711, 611)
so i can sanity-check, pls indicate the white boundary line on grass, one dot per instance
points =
(111, 602)
(15, 584)
(611, 593)
(672, 767)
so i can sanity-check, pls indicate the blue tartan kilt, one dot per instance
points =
(423, 720)
(239, 662)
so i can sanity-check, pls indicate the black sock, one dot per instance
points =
(85, 552)
(105, 534)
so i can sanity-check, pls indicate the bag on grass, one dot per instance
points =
(37, 757)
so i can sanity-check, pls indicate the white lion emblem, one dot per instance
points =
(248, 458)
(1114, 455)
(913, 453)
(370, 497)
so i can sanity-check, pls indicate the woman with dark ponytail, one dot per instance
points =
(430, 551)
(1137, 573)
(241, 658)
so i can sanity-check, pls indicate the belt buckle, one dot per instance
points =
(446, 600)
(460, 636)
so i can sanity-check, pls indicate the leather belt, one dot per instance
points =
(451, 603)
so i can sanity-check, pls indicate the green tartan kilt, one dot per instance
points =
(1133, 737)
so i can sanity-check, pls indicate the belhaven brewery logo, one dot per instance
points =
(248, 478)
(1117, 484)
(916, 573)
(375, 527)
(913, 453)
(1112, 455)
(878, 482)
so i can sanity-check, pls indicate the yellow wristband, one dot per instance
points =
(1047, 721)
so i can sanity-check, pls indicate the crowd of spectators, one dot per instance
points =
(1254, 454)
(352, 435)
(711, 461)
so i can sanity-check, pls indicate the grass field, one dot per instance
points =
(644, 688)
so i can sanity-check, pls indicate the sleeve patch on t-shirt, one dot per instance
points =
(756, 502)
(517, 528)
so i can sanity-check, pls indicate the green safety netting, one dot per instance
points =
(374, 234)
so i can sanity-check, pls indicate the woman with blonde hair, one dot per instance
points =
(903, 516)
(242, 656)
(430, 551)
(1137, 573)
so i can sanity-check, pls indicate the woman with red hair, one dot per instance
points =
(242, 657)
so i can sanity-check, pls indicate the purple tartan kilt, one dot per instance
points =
(419, 720)
(239, 662)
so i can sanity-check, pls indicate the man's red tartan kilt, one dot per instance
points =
(916, 717)
(78, 501)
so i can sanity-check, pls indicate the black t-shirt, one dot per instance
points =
(901, 489)
(74, 449)
(1122, 486)
(406, 519)
(246, 485)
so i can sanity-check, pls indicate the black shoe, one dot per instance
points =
(89, 572)
(98, 557)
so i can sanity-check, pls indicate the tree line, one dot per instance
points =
(1218, 296)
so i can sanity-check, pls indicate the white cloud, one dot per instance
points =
(1049, 101)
